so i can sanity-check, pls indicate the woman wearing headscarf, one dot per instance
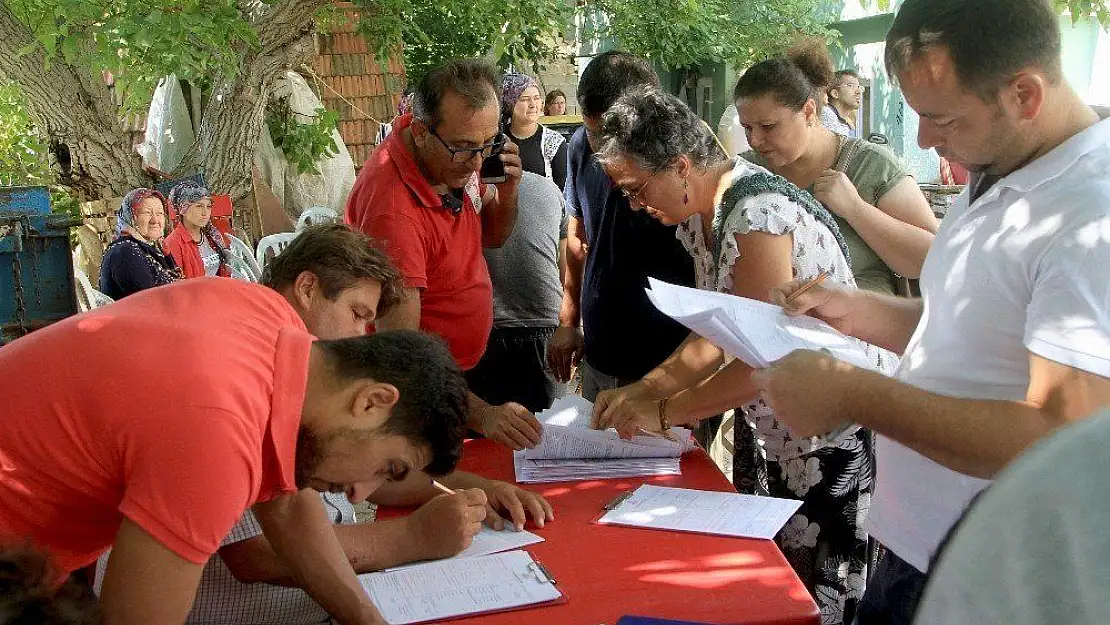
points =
(134, 260)
(195, 243)
(542, 150)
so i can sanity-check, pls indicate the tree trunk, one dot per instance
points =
(232, 123)
(75, 111)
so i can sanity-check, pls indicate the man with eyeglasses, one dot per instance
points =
(846, 98)
(419, 194)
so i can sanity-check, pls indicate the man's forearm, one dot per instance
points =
(570, 309)
(499, 217)
(974, 437)
(886, 321)
(299, 531)
(369, 547)
(476, 406)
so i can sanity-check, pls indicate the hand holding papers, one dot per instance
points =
(756, 332)
(702, 512)
(570, 450)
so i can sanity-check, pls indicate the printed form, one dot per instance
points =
(703, 512)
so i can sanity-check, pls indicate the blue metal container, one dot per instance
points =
(36, 266)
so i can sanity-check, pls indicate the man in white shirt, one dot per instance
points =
(1012, 336)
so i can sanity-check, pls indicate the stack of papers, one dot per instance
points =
(459, 587)
(570, 450)
(756, 332)
(702, 512)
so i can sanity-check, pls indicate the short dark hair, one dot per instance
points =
(989, 40)
(27, 594)
(652, 128)
(477, 81)
(608, 76)
(339, 256)
(838, 78)
(802, 75)
(433, 403)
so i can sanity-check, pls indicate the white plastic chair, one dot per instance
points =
(243, 252)
(271, 245)
(88, 298)
(314, 215)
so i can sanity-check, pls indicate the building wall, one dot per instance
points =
(356, 86)
(1086, 50)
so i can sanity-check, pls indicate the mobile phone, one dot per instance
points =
(493, 170)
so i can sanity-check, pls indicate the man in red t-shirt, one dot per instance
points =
(418, 194)
(154, 423)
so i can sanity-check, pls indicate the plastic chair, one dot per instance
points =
(314, 215)
(88, 298)
(271, 245)
(244, 253)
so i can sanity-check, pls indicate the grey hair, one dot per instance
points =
(477, 81)
(651, 128)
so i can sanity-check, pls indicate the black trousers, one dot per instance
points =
(514, 368)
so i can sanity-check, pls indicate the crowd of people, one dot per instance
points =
(447, 304)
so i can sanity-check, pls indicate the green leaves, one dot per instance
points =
(683, 33)
(140, 41)
(1098, 10)
(520, 32)
(302, 143)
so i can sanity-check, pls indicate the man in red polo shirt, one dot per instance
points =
(418, 194)
(156, 422)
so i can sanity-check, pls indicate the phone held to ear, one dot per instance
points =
(493, 170)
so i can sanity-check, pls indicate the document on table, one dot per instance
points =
(756, 332)
(450, 588)
(702, 512)
(487, 541)
(570, 450)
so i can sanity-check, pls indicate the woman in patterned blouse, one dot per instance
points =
(747, 231)
(134, 261)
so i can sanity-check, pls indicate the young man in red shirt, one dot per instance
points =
(419, 194)
(107, 441)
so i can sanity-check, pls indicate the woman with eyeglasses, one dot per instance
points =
(877, 204)
(542, 150)
(747, 231)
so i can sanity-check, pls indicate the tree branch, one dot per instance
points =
(286, 22)
(76, 113)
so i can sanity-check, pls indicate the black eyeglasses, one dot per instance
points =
(462, 155)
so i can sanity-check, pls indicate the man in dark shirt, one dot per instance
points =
(611, 251)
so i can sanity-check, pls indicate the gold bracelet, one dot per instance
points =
(663, 422)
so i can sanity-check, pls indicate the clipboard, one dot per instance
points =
(507, 568)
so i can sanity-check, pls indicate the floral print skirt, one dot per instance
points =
(825, 540)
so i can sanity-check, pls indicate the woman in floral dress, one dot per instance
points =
(748, 231)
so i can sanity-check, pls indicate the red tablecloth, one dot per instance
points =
(606, 572)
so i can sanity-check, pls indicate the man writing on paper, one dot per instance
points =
(1012, 336)
(337, 282)
(133, 455)
(419, 194)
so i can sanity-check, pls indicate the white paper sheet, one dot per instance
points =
(703, 512)
(569, 450)
(449, 588)
(756, 332)
(487, 541)
(577, 443)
